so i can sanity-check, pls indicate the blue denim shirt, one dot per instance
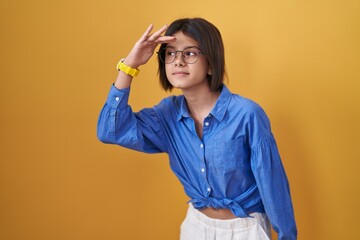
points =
(235, 165)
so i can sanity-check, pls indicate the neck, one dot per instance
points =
(200, 102)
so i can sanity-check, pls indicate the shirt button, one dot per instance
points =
(201, 145)
(208, 189)
(117, 99)
(207, 124)
(203, 170)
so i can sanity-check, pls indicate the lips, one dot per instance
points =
(180, 73)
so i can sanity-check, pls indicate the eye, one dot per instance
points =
(170, 52)
(190, 52)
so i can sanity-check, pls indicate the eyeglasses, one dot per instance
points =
(189, 54)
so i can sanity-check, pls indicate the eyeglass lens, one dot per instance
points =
(189, 54)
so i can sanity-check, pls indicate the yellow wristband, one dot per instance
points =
(126, 69)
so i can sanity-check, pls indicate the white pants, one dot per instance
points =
(198, 226)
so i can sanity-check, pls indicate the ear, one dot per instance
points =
(209, 72)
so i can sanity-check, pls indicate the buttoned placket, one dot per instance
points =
(203, 168)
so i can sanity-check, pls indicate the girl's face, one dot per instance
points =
(183, 75)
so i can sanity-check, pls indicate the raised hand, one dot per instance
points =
(144, 48)
(141, 53)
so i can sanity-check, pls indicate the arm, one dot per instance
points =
(117, 123)
(271, 177)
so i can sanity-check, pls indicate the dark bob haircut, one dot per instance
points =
(210, 42)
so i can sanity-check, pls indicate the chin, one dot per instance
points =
(177, 85)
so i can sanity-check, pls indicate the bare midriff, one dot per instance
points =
(221, 213)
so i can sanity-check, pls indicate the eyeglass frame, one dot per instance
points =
(176, 54)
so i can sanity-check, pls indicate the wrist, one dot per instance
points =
(125, 68)
(129, 62)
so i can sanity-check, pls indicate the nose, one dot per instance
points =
(179, 58)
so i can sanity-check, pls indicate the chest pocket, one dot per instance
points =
(230, 155)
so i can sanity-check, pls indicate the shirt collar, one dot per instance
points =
(182, 108)
(217, 112)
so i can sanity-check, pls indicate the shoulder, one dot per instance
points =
(245, 105)
(253, 117)
(170, 102)
(169, 105)
(249, 111)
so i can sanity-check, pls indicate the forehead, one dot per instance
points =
(183, 41)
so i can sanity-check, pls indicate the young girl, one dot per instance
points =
(219, 144)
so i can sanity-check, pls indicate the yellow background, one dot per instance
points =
(299, 59)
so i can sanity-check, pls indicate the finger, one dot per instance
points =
(165, 39)
(147, 32)
(158, 33)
